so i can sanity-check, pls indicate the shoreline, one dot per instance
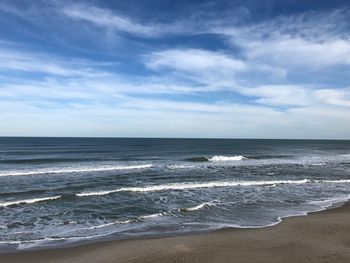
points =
(111, 238)
(322, 236)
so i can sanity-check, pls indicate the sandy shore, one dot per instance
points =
(319, 237)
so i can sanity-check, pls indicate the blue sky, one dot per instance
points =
(222, 69)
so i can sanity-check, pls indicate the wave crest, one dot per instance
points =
(217, 158)
(29, 201)
(198, 207)
(183, 186)
(78, 170)
(222, 158)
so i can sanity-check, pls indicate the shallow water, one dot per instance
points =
(57, 191)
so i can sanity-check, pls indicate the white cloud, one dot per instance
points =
(283, 95)
(173, 119)
(193, 60)
(292, 52)
(336, 97)
(299, 96)
(214, 69)
(112, 21)
(16, 60)
(311, 40)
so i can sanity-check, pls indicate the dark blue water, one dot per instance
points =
(62, 191)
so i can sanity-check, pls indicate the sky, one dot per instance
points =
(160, 68)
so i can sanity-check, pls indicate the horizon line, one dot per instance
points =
(184, 138)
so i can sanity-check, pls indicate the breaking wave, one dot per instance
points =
(179, 186)
(183, 186)
(77, 170)
(29, 201)
(217, 158)
(199, 207)
(194, 185)
(221, 158)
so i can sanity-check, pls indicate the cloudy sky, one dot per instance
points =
(158, 68)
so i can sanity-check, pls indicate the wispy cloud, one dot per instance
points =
(16, 60)
(112, 21)
(216, 69)
(193, 60)
(105, 18)
(310, 40)
(280, 95)
(298, 52)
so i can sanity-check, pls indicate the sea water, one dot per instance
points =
(65, 191)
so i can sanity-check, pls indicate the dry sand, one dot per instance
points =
(319, 237)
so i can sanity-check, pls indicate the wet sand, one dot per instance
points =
(319, 237)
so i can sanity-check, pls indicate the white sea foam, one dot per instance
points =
(121, 222)
(107, 224)
(241, 160)
(222, 158)
(152, 215)
(29, 201)
(178, 166)
(201, 206)
(329, 202)
(97, 193)
(184, 186)
(77, 170)
(341, 181)
(318, 164)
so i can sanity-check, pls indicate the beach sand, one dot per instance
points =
(319, 237)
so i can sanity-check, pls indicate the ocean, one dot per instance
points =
(65, 191)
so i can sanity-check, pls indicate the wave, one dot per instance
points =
(260, 157)
(155, 215)
(178, 186)
(47, 160)
(198, 207)
(222, 158)
(217, 158)
(29, 201)
(128, 221)
(330, 201)
(107, 224)
(28, 192)
(77, 170)
(178, 166)
(188, 209)
(213, 184)
(340, 181)
(198, 159)
(258, 160)
(184, 186)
